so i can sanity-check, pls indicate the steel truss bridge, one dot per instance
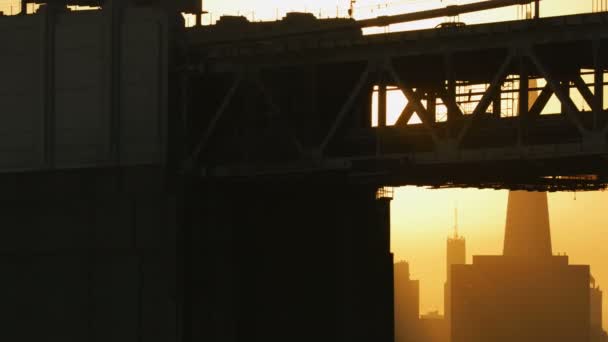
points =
(302, 103)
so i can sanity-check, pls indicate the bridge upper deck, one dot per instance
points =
(276, 44)
(319, 76)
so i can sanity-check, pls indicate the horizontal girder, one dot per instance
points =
(306, 109)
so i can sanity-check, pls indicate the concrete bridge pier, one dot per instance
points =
(295, 261)
(86, 256)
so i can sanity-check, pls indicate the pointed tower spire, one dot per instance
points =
(527, 231)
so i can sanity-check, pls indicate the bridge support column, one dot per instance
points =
(497, 105)
(85, 256)
(565, 85)
(451, 86)
(431, 101)
(523, 100)
(598, 106)
(382, 103)
(290, 262)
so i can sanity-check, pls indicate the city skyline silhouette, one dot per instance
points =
(482, 218)
(526, 265)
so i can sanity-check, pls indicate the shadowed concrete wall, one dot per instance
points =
(84, 257)
(296, 261)
(87, 228)
(83, 89)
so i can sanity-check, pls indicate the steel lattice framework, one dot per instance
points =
(302, 103)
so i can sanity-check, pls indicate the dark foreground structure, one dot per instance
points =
(225, 183)
(406, 304)
(527, 294)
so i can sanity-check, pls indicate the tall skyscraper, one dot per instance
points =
(433, 328)
(455, 255)
(527, 231)
(525, 295)
(456, 248)
(407, 303)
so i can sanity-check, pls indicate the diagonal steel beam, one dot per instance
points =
(570, 109)
(346, 107)
(414, 100)
(450, 104)
(216, 117)
(487, 97)
(406, 114)
(277, 110)
(541, 101)
(582, 87)
(409, 111)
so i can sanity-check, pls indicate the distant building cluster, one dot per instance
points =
(527, 294)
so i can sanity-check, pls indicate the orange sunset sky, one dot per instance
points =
(422, 218)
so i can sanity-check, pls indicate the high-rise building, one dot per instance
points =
(595, 317)
(455, 255)
(433, 328)
(527, 231)
(407, 303)
(525, 295)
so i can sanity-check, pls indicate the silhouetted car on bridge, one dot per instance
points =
(450, 24)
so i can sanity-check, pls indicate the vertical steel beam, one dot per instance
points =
(451, 86)
(382, 101)
(431, 106)
(523, 100)
(382, 112)
(524, 89)
(565, 89)
(497, 104)
(598, 83)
